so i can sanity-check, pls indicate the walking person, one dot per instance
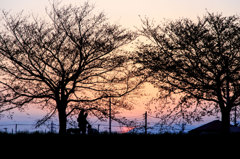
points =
(82, 121)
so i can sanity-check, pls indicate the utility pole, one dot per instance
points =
(110, 116)
(52, 127)
(98, 128)
(235, 116)
(16, 128)
(145, 117)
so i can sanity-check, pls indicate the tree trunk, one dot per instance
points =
(225, 121)
(62, 120)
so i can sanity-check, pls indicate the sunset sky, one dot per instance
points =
(127, 12)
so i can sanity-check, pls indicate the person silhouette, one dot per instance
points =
(82, 121)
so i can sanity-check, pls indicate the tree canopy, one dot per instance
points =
(63, 61)
(198, 59)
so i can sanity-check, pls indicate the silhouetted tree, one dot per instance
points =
(198, 59)
(63, 61)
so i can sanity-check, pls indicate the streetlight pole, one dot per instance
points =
(110, 116)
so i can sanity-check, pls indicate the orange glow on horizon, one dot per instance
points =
(126, 129)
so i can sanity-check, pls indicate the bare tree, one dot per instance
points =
(198, 59)
(63, 61)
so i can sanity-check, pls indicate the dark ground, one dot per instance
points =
(121, 145)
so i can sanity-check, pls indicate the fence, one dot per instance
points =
(145, 122)
(25, 127)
